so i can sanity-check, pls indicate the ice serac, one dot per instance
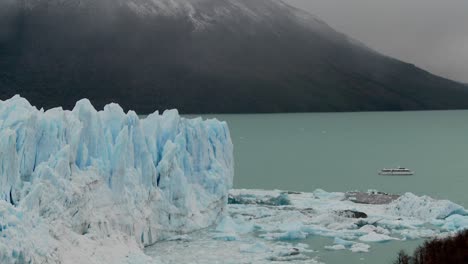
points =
(77, 184)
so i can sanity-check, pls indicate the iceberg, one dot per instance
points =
(88, 186)
(424, 207)
(341, 244)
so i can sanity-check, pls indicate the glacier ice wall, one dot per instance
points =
(85, 175)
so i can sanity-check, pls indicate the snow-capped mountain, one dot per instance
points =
(202, 56)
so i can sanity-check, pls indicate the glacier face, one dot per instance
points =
(95, 178)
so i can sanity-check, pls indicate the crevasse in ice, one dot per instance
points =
(72, 181)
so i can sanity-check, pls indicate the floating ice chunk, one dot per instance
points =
(345, 243)
(227, 229)
(416, 233)
(335, 247)
(229, 225)
(341, 244)
(359, 247)
(226, 225)
(246, 250)
(289, 235)
(227, 236)
(456, 223)
(424, 207)
(256, 248)
(292, 231)
(374, 237)
(290, 254)
(375, 229)
(321, 194)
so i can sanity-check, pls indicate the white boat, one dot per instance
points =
(396, 172)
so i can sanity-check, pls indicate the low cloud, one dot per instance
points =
(432, 34)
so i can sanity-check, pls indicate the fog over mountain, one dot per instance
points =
(432, 34)
(200, 56)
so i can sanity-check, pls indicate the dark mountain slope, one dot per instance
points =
(202, 56)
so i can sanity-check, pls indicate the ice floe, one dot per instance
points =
(334, 215)
(263, 226)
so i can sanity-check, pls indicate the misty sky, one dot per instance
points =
(432, 34)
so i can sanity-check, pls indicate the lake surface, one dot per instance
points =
(345, 151)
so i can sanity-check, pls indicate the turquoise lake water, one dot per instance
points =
(345, 151)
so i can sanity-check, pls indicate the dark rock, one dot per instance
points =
(352, 214)
(294, 252)
(291, 192)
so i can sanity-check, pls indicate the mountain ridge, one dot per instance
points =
(204, 56)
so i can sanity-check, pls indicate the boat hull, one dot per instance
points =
(397, 174)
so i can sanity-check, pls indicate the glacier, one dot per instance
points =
(88, 186)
